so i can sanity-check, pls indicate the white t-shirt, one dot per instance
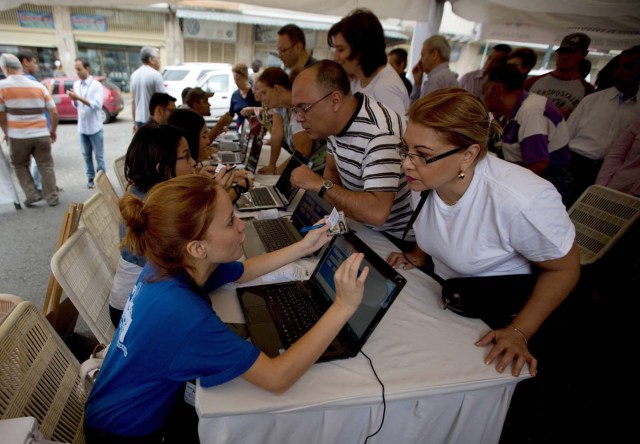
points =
(388, 89)
(507, 218)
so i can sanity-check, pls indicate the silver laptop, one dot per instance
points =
(278, 315)
(278, 196)
(235, 142)
(264, 236)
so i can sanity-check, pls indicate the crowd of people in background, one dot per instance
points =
(410, 158)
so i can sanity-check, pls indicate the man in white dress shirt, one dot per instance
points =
(87, 96)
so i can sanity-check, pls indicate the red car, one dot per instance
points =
(111, 107)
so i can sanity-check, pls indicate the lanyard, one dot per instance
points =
(423, 198)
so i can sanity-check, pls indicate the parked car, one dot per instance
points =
(111, 107)
(178, 77)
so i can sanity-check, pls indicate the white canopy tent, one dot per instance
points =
(611, 24)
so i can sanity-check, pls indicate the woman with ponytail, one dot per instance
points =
(170, 334)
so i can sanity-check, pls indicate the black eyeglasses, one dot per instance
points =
(283, 50)
(304, 109)
(424, 159)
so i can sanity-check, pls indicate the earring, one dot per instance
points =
(461, 174)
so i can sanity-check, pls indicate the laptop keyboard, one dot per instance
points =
(261, 196)
(227, 157)
(295, 312)
(274, 234)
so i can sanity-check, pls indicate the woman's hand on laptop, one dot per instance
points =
(349, 281)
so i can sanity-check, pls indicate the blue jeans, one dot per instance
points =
(93, 143)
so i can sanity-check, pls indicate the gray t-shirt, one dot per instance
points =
(144, 82)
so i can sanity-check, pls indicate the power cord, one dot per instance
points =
(384, 402)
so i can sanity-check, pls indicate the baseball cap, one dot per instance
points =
(196, 94)
(576, 41)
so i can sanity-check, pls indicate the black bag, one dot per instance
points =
(494, 299)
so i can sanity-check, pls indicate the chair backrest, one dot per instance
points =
(100, 220)
(601, 216)
(7, 303)
(106, 188)
(85, 275)
(118, 167)
(39, 376)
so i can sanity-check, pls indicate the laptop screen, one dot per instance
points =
(380, 288)
(310, 210)
(254, 155)
(284, 185)
(244, 136)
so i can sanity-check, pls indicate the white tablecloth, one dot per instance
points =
(438, 389)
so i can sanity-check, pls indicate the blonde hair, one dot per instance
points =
(459, 118)
(241, 69)
(173, 214)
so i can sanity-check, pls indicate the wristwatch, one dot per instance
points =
(326, 186)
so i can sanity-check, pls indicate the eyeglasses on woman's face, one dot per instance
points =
(424, 159)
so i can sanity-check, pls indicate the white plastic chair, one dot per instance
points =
(84, 274)
(7, 303)
(39, 376)
(118, 167)
(601, 216)
(105, 186)
(100, 220)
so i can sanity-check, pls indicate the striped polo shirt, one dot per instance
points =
(366, 158)
(24, 101)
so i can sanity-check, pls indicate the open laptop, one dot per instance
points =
(279, 195)
(279, 314)
(251, 163)
(233, 141)
(263, 236)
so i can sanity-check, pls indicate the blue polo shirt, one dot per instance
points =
(169, 334)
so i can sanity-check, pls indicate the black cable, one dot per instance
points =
(384, 402)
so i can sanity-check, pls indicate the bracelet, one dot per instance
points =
(526, 341)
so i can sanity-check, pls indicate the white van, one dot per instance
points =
(178, 77)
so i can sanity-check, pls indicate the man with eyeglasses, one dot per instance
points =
(565, 85)
(161, 106)
(362, 176)
(292, 49)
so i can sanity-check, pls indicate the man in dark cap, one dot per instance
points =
(198, 100)
(565, 85)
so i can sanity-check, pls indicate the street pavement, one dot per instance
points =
(28, 236)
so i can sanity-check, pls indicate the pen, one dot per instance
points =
(311, 227)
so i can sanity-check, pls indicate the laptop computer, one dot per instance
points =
(263, 236)
(279, 195)
(251, 163)
(233, 141)
(279, 314)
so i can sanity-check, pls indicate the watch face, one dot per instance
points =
(327, 184)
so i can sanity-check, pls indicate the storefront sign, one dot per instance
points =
(30, 19)
(95, 23)
(208, 30)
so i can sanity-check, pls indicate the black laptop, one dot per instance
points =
(279, 314)
(279, 195)
(264, 236)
